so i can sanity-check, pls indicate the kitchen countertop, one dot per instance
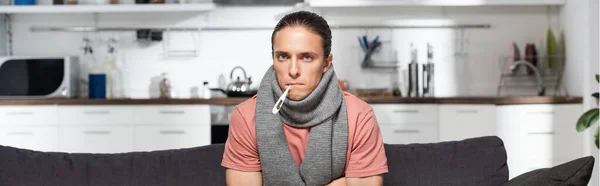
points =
(511, 100)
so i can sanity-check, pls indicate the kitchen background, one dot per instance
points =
(469, 62)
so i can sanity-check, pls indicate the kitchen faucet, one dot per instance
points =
(538, 75)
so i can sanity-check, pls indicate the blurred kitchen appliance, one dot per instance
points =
(428, 73)
(39, 77)
(413, 73)
(220, 116)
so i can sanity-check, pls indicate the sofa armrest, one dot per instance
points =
(577, 172)
(522, 179)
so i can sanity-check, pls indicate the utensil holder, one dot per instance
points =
(384, 56)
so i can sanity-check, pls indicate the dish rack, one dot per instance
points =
(521, 80)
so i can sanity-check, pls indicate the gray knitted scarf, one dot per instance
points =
(324, 111)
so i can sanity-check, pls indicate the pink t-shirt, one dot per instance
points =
(365, 157)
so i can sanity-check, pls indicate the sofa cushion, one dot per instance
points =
(475, 161)
(577, 172)
(191, 166)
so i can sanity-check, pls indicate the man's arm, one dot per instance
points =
(366, 181)
(235, 178)
(367, 162)
(240, 157)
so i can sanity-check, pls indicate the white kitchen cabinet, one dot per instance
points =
(409, 133)
(406, 113)
(125, 128)
(149, 138)
(30, 127)
(172, 115)
(539, 135)
(95, 139)
(96, 114)
(28, 115)
(32, 138)
(162, 127)
(407, 123)
(459, 122)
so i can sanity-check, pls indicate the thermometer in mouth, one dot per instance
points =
(279, 102)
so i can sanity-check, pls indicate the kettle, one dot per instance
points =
(238, 87)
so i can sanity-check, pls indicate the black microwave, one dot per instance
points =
(39, 77)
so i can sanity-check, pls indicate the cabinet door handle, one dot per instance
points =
(467, 111)
(20, 113)
(406, 111)
(172, 132)
(541, 133)
(542, 112)
(172, 112)
(96, 132)
(407, 131)
(26, 133)
(99, 112)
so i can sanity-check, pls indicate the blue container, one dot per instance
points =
(24, 2)
(97, 86)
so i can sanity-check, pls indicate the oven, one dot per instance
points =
(220, 115)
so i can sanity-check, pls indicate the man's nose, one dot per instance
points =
(294, 68)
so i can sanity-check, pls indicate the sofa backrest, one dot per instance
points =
(192, 166)
(477, 161)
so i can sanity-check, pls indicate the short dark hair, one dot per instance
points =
(310, 21)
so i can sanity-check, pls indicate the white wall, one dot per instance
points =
(582, 51)
(593, 69)
(476, 73)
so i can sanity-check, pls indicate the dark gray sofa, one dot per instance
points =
(476, 161)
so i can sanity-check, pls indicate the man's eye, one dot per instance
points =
(307, 58)
(281, 57)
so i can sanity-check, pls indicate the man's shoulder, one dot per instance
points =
(248, 104)
(355, 104)
(247, 108)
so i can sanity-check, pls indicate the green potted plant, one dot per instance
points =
(590, 117)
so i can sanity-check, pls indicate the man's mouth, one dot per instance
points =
(294, 84)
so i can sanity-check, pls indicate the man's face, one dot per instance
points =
(298, 60)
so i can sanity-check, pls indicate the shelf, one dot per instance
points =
(387, 3)
(119, 8)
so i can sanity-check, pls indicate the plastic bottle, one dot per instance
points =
(97, 77)
(113, 76)
(205, 90)
(86, 67)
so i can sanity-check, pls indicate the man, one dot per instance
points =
(320, 136)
